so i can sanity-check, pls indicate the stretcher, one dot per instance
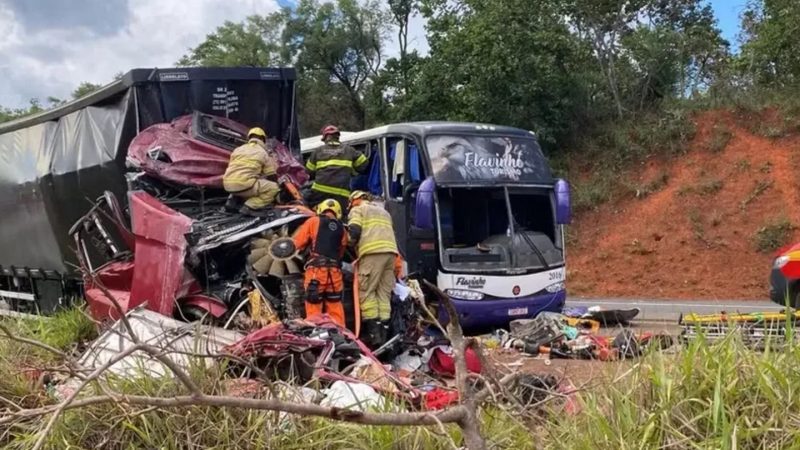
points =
(757, 329)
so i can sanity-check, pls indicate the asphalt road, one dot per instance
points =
(671, 310)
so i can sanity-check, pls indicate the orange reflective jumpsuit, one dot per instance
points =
(323, 277)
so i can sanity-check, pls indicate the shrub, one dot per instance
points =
(721, 135)
(774, 235)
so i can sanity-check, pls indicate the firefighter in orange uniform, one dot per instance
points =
(326, 235)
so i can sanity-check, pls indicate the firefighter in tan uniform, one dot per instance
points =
(379, 265)
(252, 173)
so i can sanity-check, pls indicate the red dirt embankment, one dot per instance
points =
(694, 238)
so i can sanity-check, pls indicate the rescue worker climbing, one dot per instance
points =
(252, 173)
(379, 265)
(323, 272)
(332, 168)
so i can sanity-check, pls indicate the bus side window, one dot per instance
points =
(370, 180)
(404, 166)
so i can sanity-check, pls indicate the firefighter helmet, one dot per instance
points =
(358, 195)
(329, 130)
(257, 132)
(331, 205)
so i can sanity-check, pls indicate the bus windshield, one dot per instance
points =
(487, 159)
(499, 229)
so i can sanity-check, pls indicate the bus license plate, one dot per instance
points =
(517, 311)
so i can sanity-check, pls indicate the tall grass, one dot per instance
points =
(704, 395)
(720, 396)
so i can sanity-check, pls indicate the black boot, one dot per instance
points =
(383, 333)
(266, 212)
(371, 333)
(233, 204)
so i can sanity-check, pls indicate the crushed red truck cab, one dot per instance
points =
(181, 252)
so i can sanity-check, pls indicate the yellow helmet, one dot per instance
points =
(332, 205)
(358, 195)
(257, 132)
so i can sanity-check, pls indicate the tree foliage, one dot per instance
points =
(513, 62)
(35, 105)
(559, 67)
(85, 88)
(339, 43)
(252, 43)
(770, 52)
(337, 48)
(9, 114)
(549, 65)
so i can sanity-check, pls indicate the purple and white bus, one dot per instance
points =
(476, 210)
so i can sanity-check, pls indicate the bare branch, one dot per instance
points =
(32, 342)
(411, 419)
(122, 313)
(469, 422)
(66, 403)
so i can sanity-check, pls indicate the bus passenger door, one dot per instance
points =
(417, 245)
(394, 152)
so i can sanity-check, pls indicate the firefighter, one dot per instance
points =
(252, 173)
(379, 265)
(323, 272)
(332, 168)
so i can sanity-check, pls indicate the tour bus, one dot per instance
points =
(475, 209)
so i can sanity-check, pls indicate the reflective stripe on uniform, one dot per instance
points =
(252, 163)
(334, 163)
(330, 189)
(371, 222)
(310, 165)
(377, 246)
(377, 222)
(360, 160)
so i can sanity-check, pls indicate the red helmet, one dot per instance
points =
(329, 130)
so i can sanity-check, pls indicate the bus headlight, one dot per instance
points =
(780, 262)
(464, 294)
(556, 287)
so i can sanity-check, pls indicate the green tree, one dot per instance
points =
(85, 88)
(770, 52)
(256, 42)
(341, 41)
(336, 48)
(9, 114)
(390, 88)
(513, 62)
(650, 49)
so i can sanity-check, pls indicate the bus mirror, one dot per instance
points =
(424, 208)
(563, 209)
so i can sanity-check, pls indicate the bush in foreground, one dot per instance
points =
(721, 395)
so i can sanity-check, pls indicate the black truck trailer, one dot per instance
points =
(54, 164)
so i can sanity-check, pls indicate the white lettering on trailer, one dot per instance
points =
(173, 76)
(225, 100)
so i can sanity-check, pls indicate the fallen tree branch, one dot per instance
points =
(32, 342)
(469, 422)
(73, 367)
(63, 405)
(452, 415)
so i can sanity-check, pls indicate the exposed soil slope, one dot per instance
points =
(695, 237)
